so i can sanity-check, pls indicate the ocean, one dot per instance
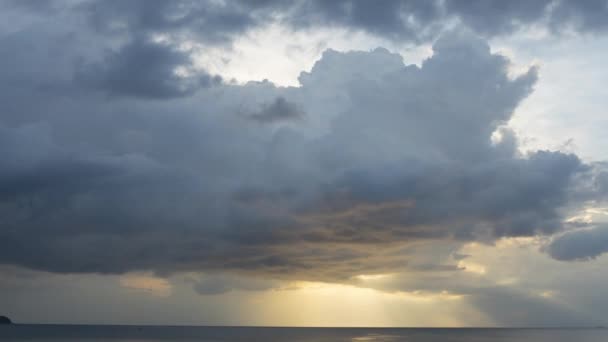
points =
(98, 333)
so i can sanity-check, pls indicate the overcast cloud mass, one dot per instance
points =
(122, 153)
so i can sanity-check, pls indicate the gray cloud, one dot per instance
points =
(277, 110)
(212, 22)
(146, 69)
(411, 20)
(389, 155)
(585, 16)
(421, 20)
(508, 308)
(581, 244)
(498, 17)
(222, 283)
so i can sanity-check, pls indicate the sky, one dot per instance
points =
(407, 163)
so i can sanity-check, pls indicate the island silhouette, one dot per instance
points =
(5, 320)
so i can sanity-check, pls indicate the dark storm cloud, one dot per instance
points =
(512, 197)
(394, 18)
(213, 22)
(277, 110)
(165, 175)
(581, 244)
(501, 17)
(497, 17)
(219, 22)
(585, 16)
(145, 69)
(419, 20)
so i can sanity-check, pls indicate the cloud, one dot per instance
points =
(497, 17)
(168, 179)
(126, 156)
(278, 110)
(219, 22)
(585, 16)
(141, 282)
(510, 308)
(221, 283)
(210, 21)
(145, 69)
(580, 244)
(388, 20)
(423, 20)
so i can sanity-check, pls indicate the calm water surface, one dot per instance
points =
(47, 333)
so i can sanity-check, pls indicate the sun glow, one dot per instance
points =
(146, 283)
(366, 277)
(326, 304)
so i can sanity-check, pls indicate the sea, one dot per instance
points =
(98, 333)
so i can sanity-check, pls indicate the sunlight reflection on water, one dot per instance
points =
(375, 338)
(52, 333)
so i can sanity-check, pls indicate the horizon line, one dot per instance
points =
(307, 326)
